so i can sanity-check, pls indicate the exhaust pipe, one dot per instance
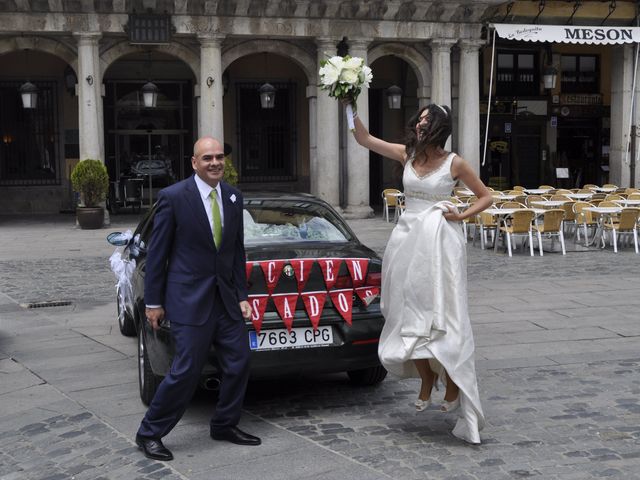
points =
(211, 384)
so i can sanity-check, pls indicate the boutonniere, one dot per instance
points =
(233, 198)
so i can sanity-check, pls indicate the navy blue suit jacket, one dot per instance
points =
(183, 266)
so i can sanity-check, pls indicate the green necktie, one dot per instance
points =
(217, 222)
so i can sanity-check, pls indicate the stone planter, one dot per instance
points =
(90, 218)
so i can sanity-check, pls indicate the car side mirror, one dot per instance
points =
(118, 239)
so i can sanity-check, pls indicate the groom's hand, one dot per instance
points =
(245, 308)
(154, 316)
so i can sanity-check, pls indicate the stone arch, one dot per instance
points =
(285, 49)
(174, 49)
(418, 62)
(42, 44)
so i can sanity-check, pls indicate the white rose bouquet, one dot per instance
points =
(344, 78)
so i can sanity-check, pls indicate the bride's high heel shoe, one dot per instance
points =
(422, 404)
(448, 407)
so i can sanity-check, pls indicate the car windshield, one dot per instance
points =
(278, 221)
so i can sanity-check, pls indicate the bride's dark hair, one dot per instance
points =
(435, 132)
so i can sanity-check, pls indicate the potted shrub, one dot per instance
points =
(91, 180)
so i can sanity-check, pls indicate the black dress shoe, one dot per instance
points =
(153, 448)
(235, 435)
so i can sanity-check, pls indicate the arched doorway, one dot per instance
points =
(39, 145)
(147, 147)
(270, 145)
(387, 123)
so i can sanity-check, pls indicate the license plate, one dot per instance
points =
(281, 339)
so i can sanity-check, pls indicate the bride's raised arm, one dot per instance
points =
(394, 151)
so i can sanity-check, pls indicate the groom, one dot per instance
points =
(195, 278)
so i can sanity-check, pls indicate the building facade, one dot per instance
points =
(208, 60)
(580, 130)
(90, 60)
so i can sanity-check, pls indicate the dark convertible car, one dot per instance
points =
(313, 287)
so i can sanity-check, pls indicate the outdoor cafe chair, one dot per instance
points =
(560, 196)
(634, 196)
(613, 196)
(569, 222)
(589, 185)
(518, 188)
(550, 187)
(512, 204)
(390, 199)
(519, 225)
(485, 223)
(585, 219)
(630, 190)
(627, 224)
(534, 198)
(550, 227)
(562, 191)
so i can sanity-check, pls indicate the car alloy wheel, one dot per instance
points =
(147, 381)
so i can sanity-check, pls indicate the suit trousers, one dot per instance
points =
(192, 345)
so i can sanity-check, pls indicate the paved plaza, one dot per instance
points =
(557, 355)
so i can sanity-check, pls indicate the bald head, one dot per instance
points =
(205, 143)
(208, 160)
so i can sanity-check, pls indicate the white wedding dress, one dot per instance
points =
(424, 294)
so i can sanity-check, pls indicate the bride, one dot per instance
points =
(427, 332)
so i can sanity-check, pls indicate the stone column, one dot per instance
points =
(358, 157)
(469, 104)
(312, 98)
(90, 121)
(441, 74)
(622, 61)
(325, 168)
(210, 114)
(441, 71)
(423, 94)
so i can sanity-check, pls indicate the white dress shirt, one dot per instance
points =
(205, 191)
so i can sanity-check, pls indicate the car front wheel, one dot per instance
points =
(125, 321)
(147, 381)
(367, 376)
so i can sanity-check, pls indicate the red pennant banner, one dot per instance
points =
(302, 268)
(286, 306)
(343, 303)
(313, 304)
(330, 268)
(258, 306)
(367, 294)
(248, 268)
(272, 270)
(358, 270)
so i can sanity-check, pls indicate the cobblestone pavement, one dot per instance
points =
(558, 363)
(565, 422)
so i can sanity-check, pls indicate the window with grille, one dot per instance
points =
(517, 74)
(579, 74)
(267, 142)
(30, 148)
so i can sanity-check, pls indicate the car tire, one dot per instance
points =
(147, 381)
(367, 376)
(125, 321)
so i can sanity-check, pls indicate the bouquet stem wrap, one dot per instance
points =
(350, 117)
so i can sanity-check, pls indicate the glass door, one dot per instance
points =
(151, 158)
